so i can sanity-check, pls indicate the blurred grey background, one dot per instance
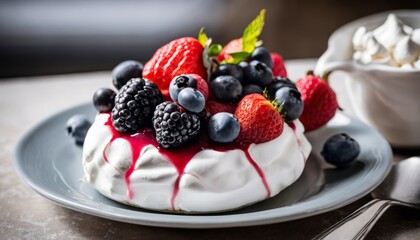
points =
(39, 37)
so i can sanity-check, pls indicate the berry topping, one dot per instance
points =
(125, 71)
(178, 71)
(223, 127)
(214, 107)
(233, 70)
(77, 127)
(259, 119)
(183, 55)
(279, 70)
(279, 82)
(104, 99)
(134, 105)
(226, 88)
(320, 102)
(289, 99)
(258, 73)
(191, 99)
(173, 125)
(340, 150)
(263, 55)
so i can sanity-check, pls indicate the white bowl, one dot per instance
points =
(385, 97)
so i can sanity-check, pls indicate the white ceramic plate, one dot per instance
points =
(50, 163)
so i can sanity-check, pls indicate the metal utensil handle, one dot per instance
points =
(358, 224)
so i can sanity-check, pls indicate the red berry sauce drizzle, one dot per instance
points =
(179, 158)
(293, 127)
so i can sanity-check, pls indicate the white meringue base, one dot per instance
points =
(212, 181)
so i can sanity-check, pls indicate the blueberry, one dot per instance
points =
(279, 82)
(263, 55)
(180, 82)
(229, 69)
(292, 103)
(191, 99)
(104, 99)
(251, 88)
(340, 150)
(223, 127)
(125, 71)
(258, 73)
(226, 88)
(243, 65)
(77, 127)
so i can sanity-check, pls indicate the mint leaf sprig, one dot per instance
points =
(249, 39)
(202, 37)
(252, 32)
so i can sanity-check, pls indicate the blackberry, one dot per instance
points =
(134, 105)
(174, 126)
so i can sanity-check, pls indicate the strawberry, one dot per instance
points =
(233, 46)
(279, 70)
(320, 102)
(202, 85)
(183, 55)
(260, 120)
(214, 107)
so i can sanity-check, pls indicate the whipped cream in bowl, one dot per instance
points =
(379, 55)
(393, 44)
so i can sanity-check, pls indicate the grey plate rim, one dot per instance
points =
(287, 213)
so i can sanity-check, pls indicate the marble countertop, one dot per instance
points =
(27, 215)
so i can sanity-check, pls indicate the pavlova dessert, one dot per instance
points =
(203, 128)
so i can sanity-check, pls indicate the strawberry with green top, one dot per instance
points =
(320, 102)
(260, 119)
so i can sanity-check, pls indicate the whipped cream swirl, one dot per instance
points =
(393, 43)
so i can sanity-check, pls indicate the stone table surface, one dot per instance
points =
(27, 215)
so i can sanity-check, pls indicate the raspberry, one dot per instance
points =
(134, 105)
(174, 126)
(279, 70)
(214, 107)
(202, 85)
